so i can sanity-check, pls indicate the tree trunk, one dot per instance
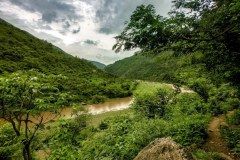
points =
(26, 150)
(15, 128)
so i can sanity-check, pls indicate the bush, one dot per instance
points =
(215, 107)
(186, 104)
(188, 130)
(201, 88)
(98, 99)
(202, 155)
(232, 136)
(235, 118)
(103, 126)
(152, 105)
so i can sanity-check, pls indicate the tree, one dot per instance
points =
(208, 26)
(145, 30)
(23, 97)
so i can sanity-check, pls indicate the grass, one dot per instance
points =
(95, 120)
(149, 88)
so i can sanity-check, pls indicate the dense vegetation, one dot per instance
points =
(197, 51)
(207, 26)
(36, 76)
(123, 136)
(197, 46)
(98, 64)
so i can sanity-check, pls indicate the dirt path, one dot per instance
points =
(215, 143)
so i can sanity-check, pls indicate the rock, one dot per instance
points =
(162, 149)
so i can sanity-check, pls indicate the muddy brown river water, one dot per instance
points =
(94, 109)
(108, 106)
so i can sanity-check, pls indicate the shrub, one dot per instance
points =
(98, 99)
(188, 130)
(186, 104)
(201, 88)
(202, 155)
(232, 136)
(103, 125)
(152, 105)
(235, 118)
(215, 107)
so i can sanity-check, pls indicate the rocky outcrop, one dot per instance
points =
(162, 149)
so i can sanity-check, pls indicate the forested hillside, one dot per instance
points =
(163, 67)
(98, 64)
(20, 50)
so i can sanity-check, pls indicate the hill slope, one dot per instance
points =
(162, 67)
(20, 50)
(98, 64)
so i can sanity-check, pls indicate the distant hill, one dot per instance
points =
(160, 67)
(98, 64)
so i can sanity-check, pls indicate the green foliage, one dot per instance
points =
(25, 92)
(9, 143)
(186, 104)
(235, 118)
(141, 31)
(232, 135)
(152, 105)
(202, 155)
(210, 27)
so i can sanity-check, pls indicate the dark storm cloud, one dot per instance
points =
(51, 10)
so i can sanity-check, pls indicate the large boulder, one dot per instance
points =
(162, 149)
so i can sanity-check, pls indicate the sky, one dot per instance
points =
(83, 28)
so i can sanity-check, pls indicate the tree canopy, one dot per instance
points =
(23, 97)
(208, 26)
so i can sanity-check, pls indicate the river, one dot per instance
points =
(94, 109)
(108, 106)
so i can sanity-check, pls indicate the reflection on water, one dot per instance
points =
(111, 105)
(94, 109)
(66, 113)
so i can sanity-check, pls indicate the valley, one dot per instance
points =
(177, 97)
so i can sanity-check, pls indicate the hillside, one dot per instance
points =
(164, 66)
(98, 64)
(21, 51)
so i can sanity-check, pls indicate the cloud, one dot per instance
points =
(76, 30)
(51, 10)
(112, 14)
(94, 53)
(91, 42)
(85, 28)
